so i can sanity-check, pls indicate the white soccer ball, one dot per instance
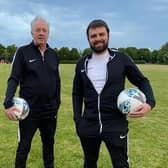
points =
(129, 99)
(23, 107)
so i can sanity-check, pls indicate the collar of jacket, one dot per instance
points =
(89, 56)
(111, 52)
(32, 43)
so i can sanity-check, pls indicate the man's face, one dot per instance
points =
(98, 39)
(40, 32)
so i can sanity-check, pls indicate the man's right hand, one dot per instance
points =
(10, 112)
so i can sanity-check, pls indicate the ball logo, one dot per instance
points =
(125, 106)
(136, 94)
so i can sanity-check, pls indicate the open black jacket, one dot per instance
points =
(38, 78)
(100, 114)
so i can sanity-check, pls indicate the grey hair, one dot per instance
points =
(39, 18)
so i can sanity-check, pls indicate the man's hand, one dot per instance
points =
(10, 112)
(141, 111)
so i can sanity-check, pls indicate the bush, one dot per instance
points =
(140, 61)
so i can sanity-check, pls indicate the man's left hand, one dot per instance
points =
(141, 111)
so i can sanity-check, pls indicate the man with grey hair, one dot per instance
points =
(35, 70)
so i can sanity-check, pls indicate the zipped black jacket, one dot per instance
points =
(38, 78)
(100, 114)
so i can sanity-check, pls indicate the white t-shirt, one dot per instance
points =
(97, 69)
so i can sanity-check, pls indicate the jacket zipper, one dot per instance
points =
(98, 103)
(100, 121)
(43, 58)
(99, 114)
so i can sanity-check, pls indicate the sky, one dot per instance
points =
(132, 23)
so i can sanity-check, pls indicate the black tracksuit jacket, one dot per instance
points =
(38, 78)
(100, 114)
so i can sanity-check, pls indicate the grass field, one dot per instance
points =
(148, 136)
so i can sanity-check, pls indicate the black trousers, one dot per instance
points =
(116, 145)
(26, 131)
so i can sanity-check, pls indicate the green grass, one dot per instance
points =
(148, 136)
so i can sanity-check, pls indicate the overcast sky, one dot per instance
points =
(137, 23)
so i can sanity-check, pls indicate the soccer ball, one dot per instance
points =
(23, 107)
(129, 99)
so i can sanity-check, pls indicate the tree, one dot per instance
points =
(86, 51)
(2, 51)
(144, 54)
(132, 52)
(11, 49)
(154, 56)
(64, 53)
(163, 54)
(123, 50)
(74, 54)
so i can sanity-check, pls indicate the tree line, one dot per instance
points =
(66, 55)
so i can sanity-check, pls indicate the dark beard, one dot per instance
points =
(99, 50)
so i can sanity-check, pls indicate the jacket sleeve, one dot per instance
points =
(77, 95)
(136, 77)
(14, 79)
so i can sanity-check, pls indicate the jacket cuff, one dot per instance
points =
(8, 104)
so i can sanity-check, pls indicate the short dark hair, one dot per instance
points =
(97, 23)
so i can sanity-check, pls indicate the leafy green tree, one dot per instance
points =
(2, 52)
(64, 53)
(144, 54)
(123, 50)
(11, 49)
(86, 51)
(155, 56)
(132, 52)
(163, 54)
(74, 54)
